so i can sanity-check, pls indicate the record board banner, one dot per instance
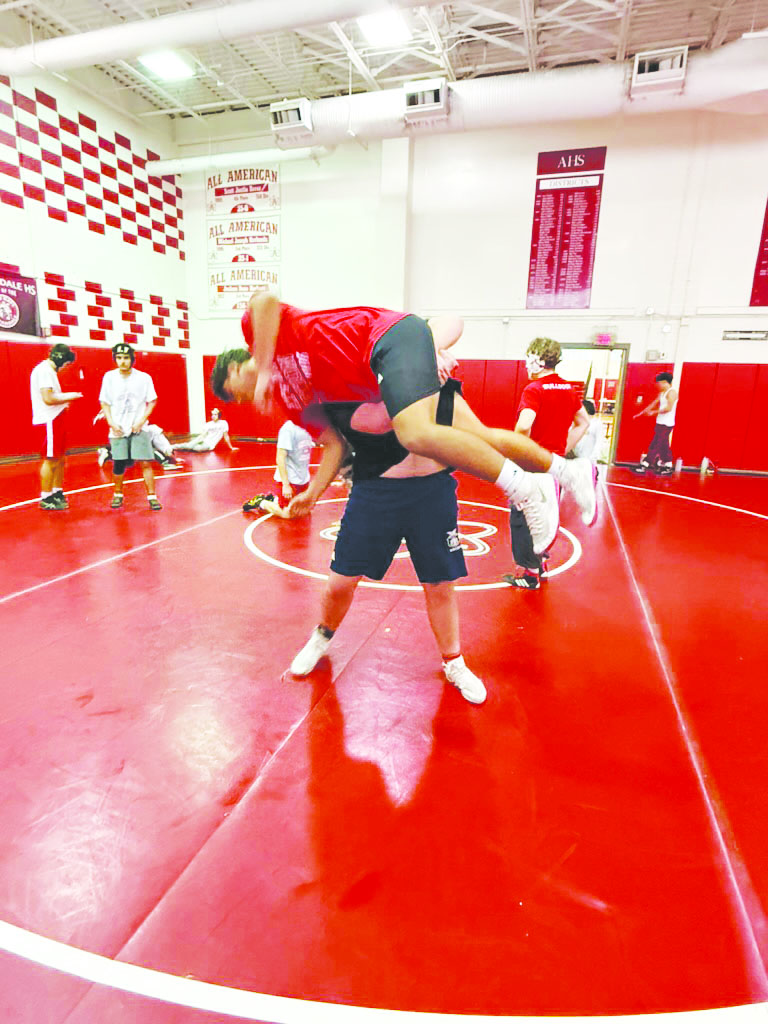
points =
(230, 288)
(566, 212)
(243, 239)
(18, 304)
(242, 190)
(759, 295)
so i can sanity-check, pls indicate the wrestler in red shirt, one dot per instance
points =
(551, 413)
(375, 354)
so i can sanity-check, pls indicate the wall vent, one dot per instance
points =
(745, 335)
(426, 100)
(658, 71)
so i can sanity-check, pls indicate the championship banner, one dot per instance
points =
(566, 211)
(230, 288)
(18, 304)
(241, 190)
(759, 296)
(243, 240)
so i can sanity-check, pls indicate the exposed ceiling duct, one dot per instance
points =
(123, 42)
(211, 161)
(733, 78)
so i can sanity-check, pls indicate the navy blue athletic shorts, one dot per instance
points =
(381, 513)
(405, 364)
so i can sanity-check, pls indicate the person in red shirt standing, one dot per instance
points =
(369, 355)
(551, 413)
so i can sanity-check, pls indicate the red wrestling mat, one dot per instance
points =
(592, 840)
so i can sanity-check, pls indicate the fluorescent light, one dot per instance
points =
(388, 28)
(167, 65)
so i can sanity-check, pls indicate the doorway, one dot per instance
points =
(598, 373)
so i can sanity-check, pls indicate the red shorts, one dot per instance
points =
(54, 437)
(296, 488)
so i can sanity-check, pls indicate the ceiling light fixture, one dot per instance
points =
(167, 65)
(388, 28)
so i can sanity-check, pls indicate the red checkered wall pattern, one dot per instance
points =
(82, 177)
(88, 311)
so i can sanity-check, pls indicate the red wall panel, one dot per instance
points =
(471, 372)
(168, 371)
(504, 381)
(243, 420)
(697, 388)
(639, 389)
(755, 454)
(729, 415)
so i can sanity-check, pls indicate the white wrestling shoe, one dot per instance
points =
(469, 686)
(539, 504)
(310, 654)
(580, 478)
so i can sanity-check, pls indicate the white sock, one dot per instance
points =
(557, 468)
(509, 479)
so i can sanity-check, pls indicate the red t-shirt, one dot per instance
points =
(555, 403)
(324, 356)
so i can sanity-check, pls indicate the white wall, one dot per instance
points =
(448, 229)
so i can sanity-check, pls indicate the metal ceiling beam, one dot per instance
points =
(529, 31)
(621, 48)
(494, 15)
(437, 42)
(357, 61)
(720, 28)
(487, 37)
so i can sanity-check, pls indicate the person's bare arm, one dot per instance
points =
(64, 398)
(264, 313)
(282, 469)
(578, 428)
(334, 450)
(107, 410)
(145, 418)
(232, 447)
(651, 409)
(525, 420)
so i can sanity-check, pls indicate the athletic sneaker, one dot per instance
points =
(60, 499)
(469, 686)
(528, 580)
(168, 465)
(540, 507)
(580, 478)
(50, 504)
(103, 455)
(310, 654)
(117, 501)
(154, 504)
(254, 503)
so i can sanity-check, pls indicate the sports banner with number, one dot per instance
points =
(241, 190)
(243, 239)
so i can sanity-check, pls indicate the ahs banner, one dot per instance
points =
(18, 304)
(566, 211)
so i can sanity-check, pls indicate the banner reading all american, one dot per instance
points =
(241, 190)
(243, 239)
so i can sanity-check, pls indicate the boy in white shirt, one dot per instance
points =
(127, 399)
(215, 430)
(294, 450)
(49, 403)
